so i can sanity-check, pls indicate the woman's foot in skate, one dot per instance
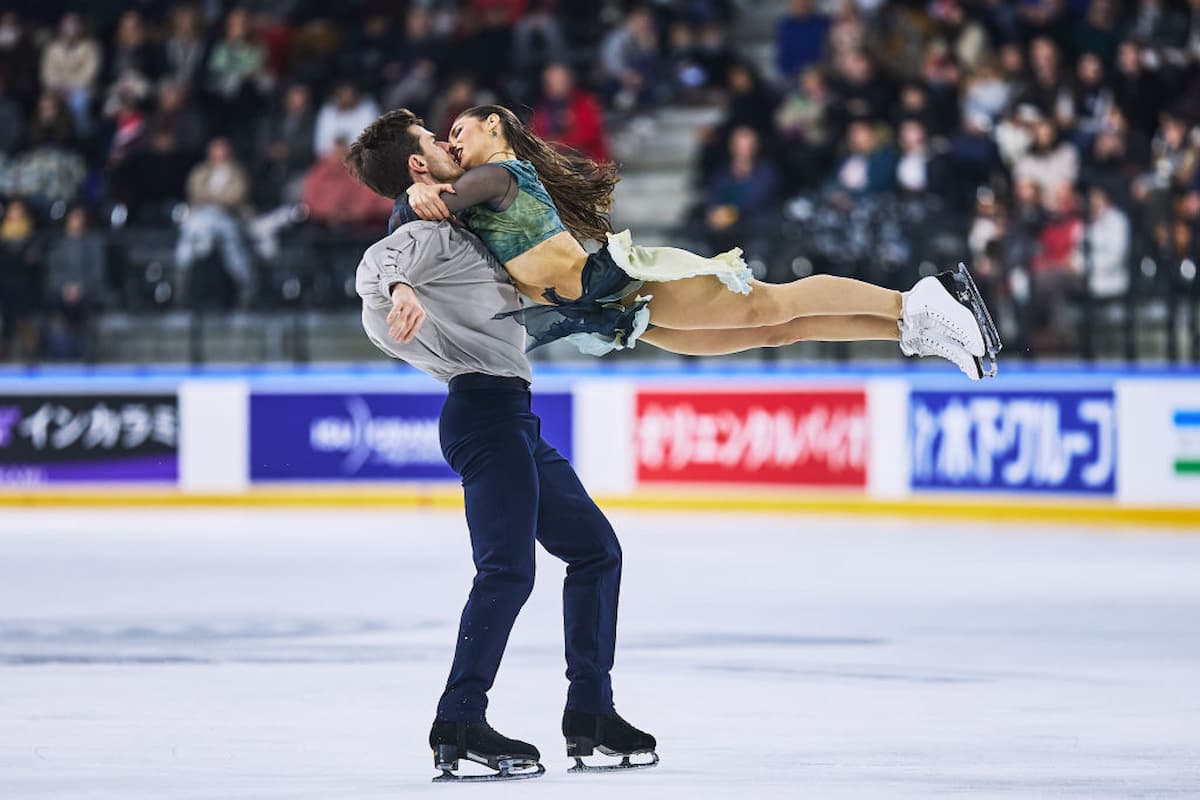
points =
(933, 301)
(931, 339)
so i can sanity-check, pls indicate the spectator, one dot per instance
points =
(862, 91)
(750, 101)
(712, 54)
(217, 194)
(150, 181)
(742, 205)
(802, 124)
(334, 198)
(413, 88)
(487, 47)
(1090, 101)
(12, 121)
(919, 170)
(1116, 157)
(285, 147)
(343, 116)
(968, 40)
(1138, 91)
(1173, 164)
(941, 76)
(70, 66)
(538, 41)
(986, 244)
(869, 167)
(20, 60)
(986, 93)
(20, 279)
(630, 57)
(1047, 92)
(421, 42)
(176, 113)
(127, 122)
(76, 271)
(1042, 18)
(1051, 161)
(1023, 236)
(461, 94)
(1157, 26)
(1097, 32)
(1057, 268)
(132, 52)
(237, 68)
(50, 169)
(570, 116)
(183, 52)
(370, 51)
(800, 38)
(1106, 246)
(972, 158)
(1012, 71)
(848, 33)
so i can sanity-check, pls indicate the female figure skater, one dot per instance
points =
(532, 205)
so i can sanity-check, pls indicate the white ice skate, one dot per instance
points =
(938, 299)
(926, 337)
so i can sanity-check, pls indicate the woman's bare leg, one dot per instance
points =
(719, 342)
(703, 303)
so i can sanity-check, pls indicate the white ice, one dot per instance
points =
(268, 654)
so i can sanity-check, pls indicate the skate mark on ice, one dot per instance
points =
(717, 639)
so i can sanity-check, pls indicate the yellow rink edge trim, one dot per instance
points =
(1011, 509)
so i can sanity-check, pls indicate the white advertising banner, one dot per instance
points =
(1159, 430)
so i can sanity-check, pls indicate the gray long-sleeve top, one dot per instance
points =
(460, 285)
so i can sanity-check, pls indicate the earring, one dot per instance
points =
(494, 133)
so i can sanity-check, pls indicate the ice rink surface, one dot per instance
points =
(269, 654)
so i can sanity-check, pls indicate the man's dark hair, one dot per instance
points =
(379, 156)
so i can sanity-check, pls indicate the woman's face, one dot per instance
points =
(471, 140)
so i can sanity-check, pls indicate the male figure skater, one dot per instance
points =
(431, 291)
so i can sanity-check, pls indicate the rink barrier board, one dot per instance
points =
(1152, 452)
(988, 509)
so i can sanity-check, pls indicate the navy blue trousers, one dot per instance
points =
(518, 489)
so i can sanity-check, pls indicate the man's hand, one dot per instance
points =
(406, 315)
(426, 200)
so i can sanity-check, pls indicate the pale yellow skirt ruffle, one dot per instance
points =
(664, 264)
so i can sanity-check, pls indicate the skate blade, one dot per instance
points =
(969, 294)
(625, 764)
(507, 770)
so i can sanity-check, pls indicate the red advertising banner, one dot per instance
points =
(810, 438)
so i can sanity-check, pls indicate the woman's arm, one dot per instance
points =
(489, 185)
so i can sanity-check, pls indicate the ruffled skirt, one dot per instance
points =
(601, 319)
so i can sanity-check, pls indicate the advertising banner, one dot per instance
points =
(1042, 441)
(797, 438)
(1160, 442)
(101, 438)
(377, 436)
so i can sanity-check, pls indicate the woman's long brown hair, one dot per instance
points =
(581, 188)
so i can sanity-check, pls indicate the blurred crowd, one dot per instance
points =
(164, 154)
(1053, 144)
(156, 153)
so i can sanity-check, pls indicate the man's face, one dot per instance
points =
(438, 161)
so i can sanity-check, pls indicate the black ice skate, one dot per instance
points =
(609, 734)
(962, 286)
(478, 742)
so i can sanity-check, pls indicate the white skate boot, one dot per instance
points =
(951, 301)
(928, 338)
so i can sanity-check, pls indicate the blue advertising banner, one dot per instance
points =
(369, 436)
(1014, 441)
